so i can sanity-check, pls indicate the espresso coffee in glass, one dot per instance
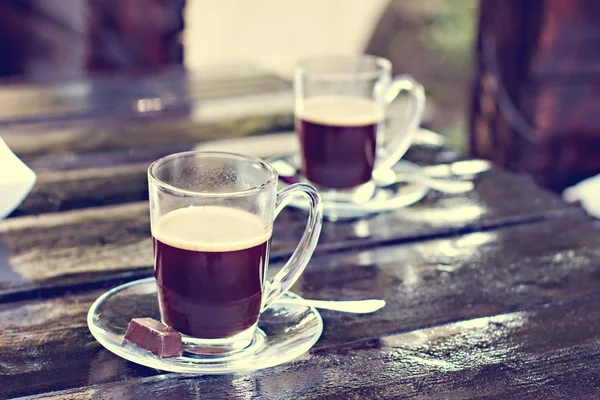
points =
(340, 109)
(225, 263)
(212, 216)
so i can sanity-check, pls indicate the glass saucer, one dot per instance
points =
(285, 332)
(386, 198)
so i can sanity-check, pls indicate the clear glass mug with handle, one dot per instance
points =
(341, 104)
(212, 218)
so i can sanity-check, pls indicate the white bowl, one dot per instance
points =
(16, 180)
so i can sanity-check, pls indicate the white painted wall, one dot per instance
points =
(276, 33)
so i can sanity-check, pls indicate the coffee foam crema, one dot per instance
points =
(340, 111)
(210, 229)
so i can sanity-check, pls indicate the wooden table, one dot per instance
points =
(490, 294)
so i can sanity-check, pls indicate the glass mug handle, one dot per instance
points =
(395, 149)
(283, 281)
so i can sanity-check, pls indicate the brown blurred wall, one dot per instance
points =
(536, 94)
(68, 37)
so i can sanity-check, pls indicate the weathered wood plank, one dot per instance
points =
(425, 144)
(210, 119)
(118, 93)
(82, 246)
(548, 353)
(122, 177)
(73, 189)
(424, 284)
(97, 242)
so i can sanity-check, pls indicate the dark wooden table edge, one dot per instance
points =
(52, 290)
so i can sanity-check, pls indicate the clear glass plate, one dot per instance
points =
(383, 199)
(285, 332)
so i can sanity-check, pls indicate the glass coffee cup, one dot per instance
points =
(340, 110)
(212, 218)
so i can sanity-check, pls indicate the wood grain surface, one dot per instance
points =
(101, 95)
(490, 294)
(97, 244)
(541, 353)
(45, 344)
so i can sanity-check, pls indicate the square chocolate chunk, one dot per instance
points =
(155, 337)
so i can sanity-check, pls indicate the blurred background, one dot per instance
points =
(512, 81)
(431, 39)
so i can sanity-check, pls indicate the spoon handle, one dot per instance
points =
(444, 185)
(350, 306)
(390, 177)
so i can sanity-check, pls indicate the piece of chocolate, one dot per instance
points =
(157, 338)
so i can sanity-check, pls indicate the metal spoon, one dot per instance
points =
(288, 173)
(350, 306)
(389, 177)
